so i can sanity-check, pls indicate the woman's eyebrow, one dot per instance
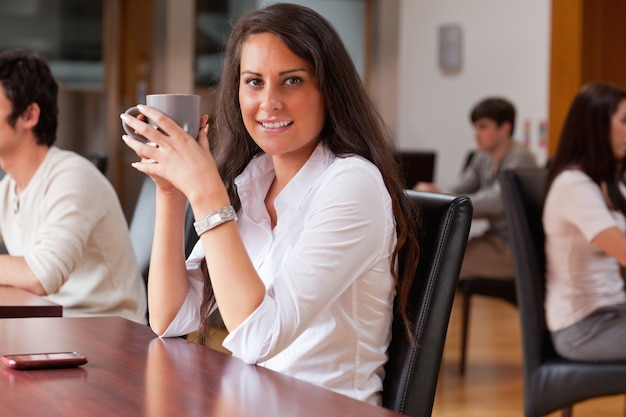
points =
(289, 71)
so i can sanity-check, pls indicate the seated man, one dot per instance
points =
(60, 218)
(489, 255)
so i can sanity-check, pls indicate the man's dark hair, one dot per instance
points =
(497, 109)
(26, 78)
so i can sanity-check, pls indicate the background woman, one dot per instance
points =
(584, 224)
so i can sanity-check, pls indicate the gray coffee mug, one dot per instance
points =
(184, 109)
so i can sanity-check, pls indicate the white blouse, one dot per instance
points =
(327, 312)
(580, 277)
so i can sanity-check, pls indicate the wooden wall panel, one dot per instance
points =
(135, 65)
(565, 63)
(604, 41)
(588, 43)
(136, 46)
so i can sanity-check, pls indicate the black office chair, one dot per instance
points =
(550, 381)
(412, 370)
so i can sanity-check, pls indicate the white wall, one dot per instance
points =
(505, 51)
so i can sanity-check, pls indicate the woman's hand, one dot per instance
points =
(426, 186)
(174, 160)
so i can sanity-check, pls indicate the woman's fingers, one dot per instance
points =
(173, 160)
(139, 127)
(166, 126)
(204, 132)
(144, 150)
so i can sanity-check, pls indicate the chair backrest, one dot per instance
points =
(412, 369)
(100, 160)
(416, 166)
(523, 193)
(142, 225)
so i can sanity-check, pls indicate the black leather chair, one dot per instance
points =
(550, 381)
(413, 369)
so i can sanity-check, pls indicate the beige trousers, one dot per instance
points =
(487, 256)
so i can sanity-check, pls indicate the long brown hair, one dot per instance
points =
(585, 140)
(352, 127)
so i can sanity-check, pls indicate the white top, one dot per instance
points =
(327, 313)
(69, 227)
(580, 277)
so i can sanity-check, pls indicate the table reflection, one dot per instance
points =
(230, 388)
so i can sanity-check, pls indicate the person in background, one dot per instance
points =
(299, 208)
(489, 254)
(584, 225)
(60, 219)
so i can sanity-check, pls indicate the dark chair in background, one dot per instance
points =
(100, 160)
(550, 381)
(142, 225)
(502, 288)
(416, 166)
(413, 369)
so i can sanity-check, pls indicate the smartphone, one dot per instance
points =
(44, 360)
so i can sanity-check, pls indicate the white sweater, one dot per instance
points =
(69, 226)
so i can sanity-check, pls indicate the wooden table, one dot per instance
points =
(15, 303)
(131, 372)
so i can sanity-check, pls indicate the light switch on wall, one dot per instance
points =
(450, 48)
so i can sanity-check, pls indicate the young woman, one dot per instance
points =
(298, 205)
(584, 225)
